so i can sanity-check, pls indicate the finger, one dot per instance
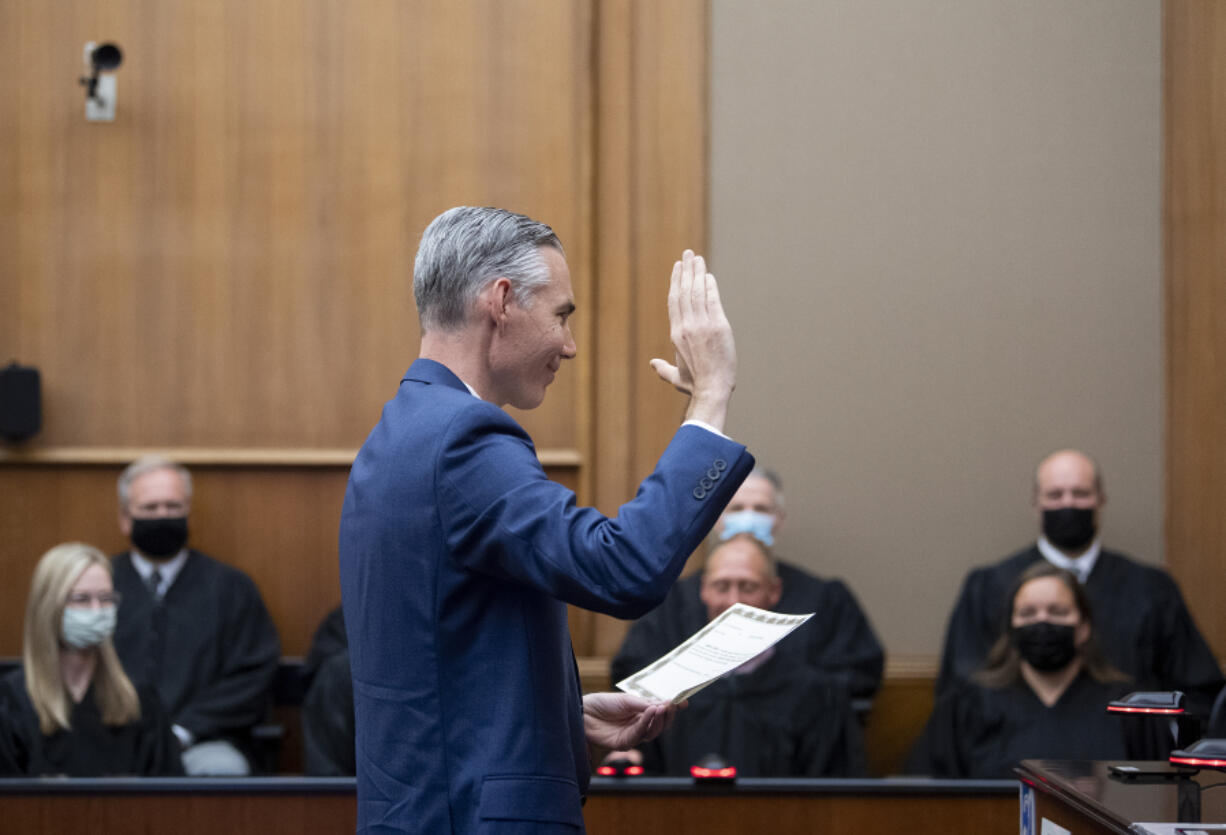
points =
(674, 294)
(685, 291)
(649, 727)
(700, 285)
(668, 372)
(672, 375)
(667, 718)
(715, 305)
(632, 704)
(664, 719)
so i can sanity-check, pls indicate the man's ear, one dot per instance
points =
(496, 300)
(125, 522)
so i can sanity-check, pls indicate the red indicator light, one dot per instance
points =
(1163, 711)
(606, 771)
(701, 773)
(634, 770)
(1199, 762)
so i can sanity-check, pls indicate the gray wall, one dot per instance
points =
(937, 231)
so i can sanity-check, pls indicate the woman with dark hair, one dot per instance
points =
(71, 710)
(1042, 693)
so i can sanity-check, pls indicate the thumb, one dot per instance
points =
(668, 372)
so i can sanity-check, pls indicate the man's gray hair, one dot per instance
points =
(776, 483)
(464, 249)
(147, 464)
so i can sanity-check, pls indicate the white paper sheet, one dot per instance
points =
(735, 636)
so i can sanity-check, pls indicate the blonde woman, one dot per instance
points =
(71, 709)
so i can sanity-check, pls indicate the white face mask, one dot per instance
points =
(761, 525)
(86, 628)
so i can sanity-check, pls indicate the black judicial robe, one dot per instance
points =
(838, 642)
(327, 707)
(209, 648)
(330, 638)
(327, 720)
(144, 748)
(781, 720)
(983, 732)
(1140, 619)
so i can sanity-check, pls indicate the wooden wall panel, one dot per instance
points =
(1194, 221)
(225, 269)
(651, 184)
(228, 263)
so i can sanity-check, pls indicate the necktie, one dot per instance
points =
(155, 583)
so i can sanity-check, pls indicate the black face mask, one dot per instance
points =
(160, 537)
(1071, 528)
(1045, 646)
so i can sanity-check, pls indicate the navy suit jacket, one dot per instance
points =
(457, 558)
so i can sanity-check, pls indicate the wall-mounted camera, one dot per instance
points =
(101, 61)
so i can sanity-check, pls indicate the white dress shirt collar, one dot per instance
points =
(169, 569)
(1080, 566)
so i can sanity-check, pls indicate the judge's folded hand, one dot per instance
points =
(705, 360)
(620, 721)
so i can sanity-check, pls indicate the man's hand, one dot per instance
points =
(619, 721)
(705, 358)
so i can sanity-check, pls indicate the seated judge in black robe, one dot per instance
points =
(70, 710)
(1043, 693)
(1144, 626)
(774, 720)
(838, 643)
(774, 716)
(208, 646)
(327, 720)
(193, 628)
(327, 708)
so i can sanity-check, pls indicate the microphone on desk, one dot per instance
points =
(1185, 724)
(1157, 703)
(1204, 753)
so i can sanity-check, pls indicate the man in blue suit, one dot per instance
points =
(458, 556)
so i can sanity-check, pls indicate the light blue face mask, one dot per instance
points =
(760, 525)
(86, 628)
